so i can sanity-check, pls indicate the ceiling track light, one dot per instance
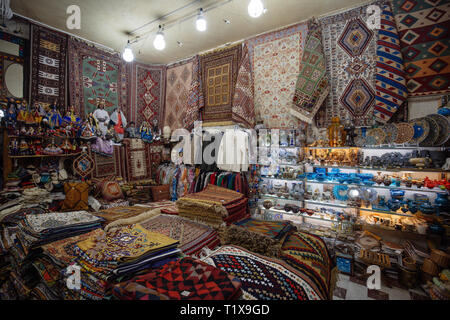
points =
(255, 8)
(201, 23)
(128, 55)
(159, 43)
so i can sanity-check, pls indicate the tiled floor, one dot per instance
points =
(354, 288)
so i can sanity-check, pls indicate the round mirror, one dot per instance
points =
(14, 80)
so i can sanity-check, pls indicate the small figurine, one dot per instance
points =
(11, 113)
(120, 122)
(146, 132)
(37, 114)
(71, 118)
(14, 147)
(131, 131)
(102, 117)
(37, 147)
(53, 117)
(67, 146)
(22, 111)
(23, 147)
(29, 117)
(52, 149)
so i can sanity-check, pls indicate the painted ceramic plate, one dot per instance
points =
(444, 128)
(405, 132)
(430, 140)
(421, 130)
(378, 135)
(391, 133)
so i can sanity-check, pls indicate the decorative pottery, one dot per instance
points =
(433, 134)
(444, 128)
(391, 133)
(427, 208)
(336, 133)
(405, 132)
(378, 135)
(267, 204)
(421, 130)
(340, 193)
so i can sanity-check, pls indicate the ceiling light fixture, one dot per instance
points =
(128, 55)
(201, 23)
(159, 43)
(255, 8)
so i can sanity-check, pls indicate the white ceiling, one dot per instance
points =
(108, 22)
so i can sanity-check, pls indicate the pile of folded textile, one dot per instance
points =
(40, 229)
(264, 237)
(214, 206)
(185, 279)
(116, 213)
(114, 255)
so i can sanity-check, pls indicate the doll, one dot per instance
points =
(67, 146)
(120, 122)
(29, 117)
(38, 112)
(102, 117)
(14, 147)
(23, 147)
(37, 147)
(11, 113)
(22, 111)
(71, 118)
(53, 117)
(52, 149)
(146, 132)
(131, 131)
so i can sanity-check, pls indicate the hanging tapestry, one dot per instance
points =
(243, 110)
(148, 92)
(178, 83)
(275, 59)
(97, 76)
(263, 278)
(390, 81)
(350, 51)
(48, 66)
(312, 84)
(423, 27)
(137, 160)
(196, 101)
(106, 166)
(219, 74)
(309, 254)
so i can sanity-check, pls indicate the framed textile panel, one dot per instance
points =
(219, 71)
(48, 66)
(97, 76)
(105, 166)
(137, 160)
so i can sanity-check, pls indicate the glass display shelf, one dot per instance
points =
(423, 189)
(46, 155)
(405, 169)
(304, 215)
(272, 196)
(385, 147)
(287, 179)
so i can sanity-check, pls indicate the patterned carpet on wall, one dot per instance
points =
(423, 28)
(97, 76)
(196, 101)
(275, 59)
(350, 50)
(106, 166)
(178, 82)
(147, 91)
(137, 160)
(219, 71)
(48, 66)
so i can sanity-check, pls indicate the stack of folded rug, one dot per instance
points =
(119, 253)
(264, 237)
(214, 206)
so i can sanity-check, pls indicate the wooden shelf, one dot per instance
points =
(46, 155)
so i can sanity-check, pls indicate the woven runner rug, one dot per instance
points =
(116, 213)
(263, 278)
(390, 83)
(309, 254)
(243, 110)
(423, 28)
(178, 83)
(219, 71)
(48, 66)
(312, 84)
(275, 59)
(148, 92)
(105, 166)
(137, 160)
(196, 101)
(350, 50)
(97, 76)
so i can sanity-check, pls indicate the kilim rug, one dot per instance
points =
(217, 195)
(219, 74)
(309, 254)
(117, 213)
(312, 84)
(186, 279)
(390, 83)
(48, 66)
(264, 237)
(178, 83)
(275, 59)
(137, 159)
(263, 278)
(423, 27)
(97, 76)
(243, 110)
(196, 101)
(350, 51)
(106, 166)
(148, 91)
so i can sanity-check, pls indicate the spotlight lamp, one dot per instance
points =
(128, 55)
(255, 8)
(159, 43)
(201, 23)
